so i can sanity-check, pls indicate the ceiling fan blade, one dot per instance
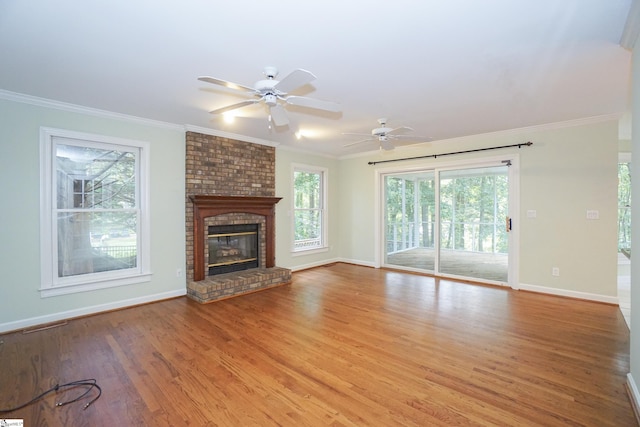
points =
(278, 115)
(294, 80)
(317, 104)
(234, 106)
(358, 142)
(225, 83)
(401, 129)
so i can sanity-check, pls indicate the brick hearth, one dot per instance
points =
(217, 166)
(221, 286)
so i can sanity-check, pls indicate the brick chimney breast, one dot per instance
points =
(218, 166)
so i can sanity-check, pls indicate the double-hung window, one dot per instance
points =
(94, 212)
(309, 208)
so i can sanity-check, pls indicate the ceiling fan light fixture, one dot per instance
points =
(270, 99)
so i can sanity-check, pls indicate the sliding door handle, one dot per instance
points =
(508, 224)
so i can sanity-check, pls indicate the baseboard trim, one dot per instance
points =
(313, 265)
(634, 396)
(330, 261)
(521, 287)
(64, 315)
(569, 294)
(85, 311)
(357, 262)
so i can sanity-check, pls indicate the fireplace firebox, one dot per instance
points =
(233, 248)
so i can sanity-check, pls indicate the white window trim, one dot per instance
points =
(295, 167)
(49, 285)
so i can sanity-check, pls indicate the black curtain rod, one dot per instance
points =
(529, 143)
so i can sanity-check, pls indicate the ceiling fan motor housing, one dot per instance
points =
(267, 90)
(380, 131)
(270, 72)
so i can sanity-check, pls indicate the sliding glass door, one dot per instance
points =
(410, 220)
(451, 222)
(474, 208)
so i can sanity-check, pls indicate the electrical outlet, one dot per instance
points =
(592, 214)
(555, 271)
(178, 272)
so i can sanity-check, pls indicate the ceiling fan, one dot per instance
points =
(275, 94)
(388, 137)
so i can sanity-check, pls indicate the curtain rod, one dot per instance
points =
(528, 143)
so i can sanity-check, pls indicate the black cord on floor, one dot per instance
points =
(90, 383)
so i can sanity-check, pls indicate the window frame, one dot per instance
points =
(51, 284)
(324, 179)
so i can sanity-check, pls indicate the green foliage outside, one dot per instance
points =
(473, 211)
(307, 205)
(624, 207)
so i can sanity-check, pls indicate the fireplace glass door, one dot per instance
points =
(232, 248)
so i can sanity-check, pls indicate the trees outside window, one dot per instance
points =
(624, 207)
(309, 208)
(473, 207)
(410, 211)
(94, 219)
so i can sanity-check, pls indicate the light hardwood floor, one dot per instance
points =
(342, 345)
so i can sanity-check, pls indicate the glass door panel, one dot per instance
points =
(410, 220)
(473, 223)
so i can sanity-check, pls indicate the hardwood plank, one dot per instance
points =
(343, 346)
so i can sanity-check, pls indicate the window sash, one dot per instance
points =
(104, 266)
(309, 227)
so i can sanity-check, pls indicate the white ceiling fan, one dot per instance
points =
(389, 138)
(274, 93)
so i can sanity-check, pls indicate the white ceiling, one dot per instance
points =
(446, 68)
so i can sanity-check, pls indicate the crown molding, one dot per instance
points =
(306, 151)
(79, 109)
(73, 108)
(516, 131)
(559, 125)
(229, 135)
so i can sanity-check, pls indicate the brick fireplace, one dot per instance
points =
(229, 182)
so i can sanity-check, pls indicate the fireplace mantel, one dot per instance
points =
(205, 206)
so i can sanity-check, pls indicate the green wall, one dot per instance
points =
(285, 159)
(567, 171)
(19, 217)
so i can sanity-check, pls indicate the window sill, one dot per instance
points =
(93, 286)
(309, 251)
